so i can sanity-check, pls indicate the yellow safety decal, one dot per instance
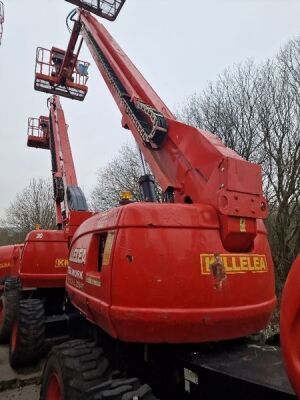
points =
(242, 225)
(93, 281)
(108, 247)
(5, 264)
(61, 263)
(235, 263)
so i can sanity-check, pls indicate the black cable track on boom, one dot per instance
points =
(52, 146)
(150, 123)
(58, 185)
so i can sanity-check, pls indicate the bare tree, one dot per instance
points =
(34, 205)
(280, 120)
(120, 174)
(227, 108)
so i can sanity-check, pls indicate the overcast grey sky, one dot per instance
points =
(178, 45)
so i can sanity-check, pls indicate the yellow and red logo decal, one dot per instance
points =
(235, 263)
(5, 264)
(61, 263)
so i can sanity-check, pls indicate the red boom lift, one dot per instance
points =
(1, 19)
(38, 268)
(193, 269)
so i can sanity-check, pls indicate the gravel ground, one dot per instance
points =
(17, 385)
(30, 392)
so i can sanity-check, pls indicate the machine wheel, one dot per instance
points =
(8, 306)
(28, 333)
(122, 389)
(71, 369)
(78, 370)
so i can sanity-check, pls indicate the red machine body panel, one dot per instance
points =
(156, 281)
(44, 259)
(290, 325)
(9, 259)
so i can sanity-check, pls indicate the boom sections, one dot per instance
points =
(194, 164)
(63, 165)
(52, 133)
(191, 165)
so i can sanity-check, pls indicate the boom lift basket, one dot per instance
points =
(47, 75)
(38, 133)
(1, 19)
(108, 9)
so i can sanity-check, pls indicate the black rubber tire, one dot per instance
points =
(78, 364)
(121, 389)
(83, 373)
(9, 303)
(28, 333)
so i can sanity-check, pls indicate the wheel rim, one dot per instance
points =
(53, 389)
(14, 335)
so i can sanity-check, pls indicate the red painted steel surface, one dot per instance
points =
(63, 152)
(44, 259)
(41, 261)
(38, 132)
(154, 288)
(9, 257)
(54, 391)
(290, 325)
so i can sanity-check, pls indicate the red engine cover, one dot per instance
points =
(150, 272)
(44, 259)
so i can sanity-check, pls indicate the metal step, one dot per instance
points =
(237, 371)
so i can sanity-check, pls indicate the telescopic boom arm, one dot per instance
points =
(191, 165)
(52, 133)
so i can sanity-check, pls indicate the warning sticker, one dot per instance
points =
(108, 247)
(5, 264)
